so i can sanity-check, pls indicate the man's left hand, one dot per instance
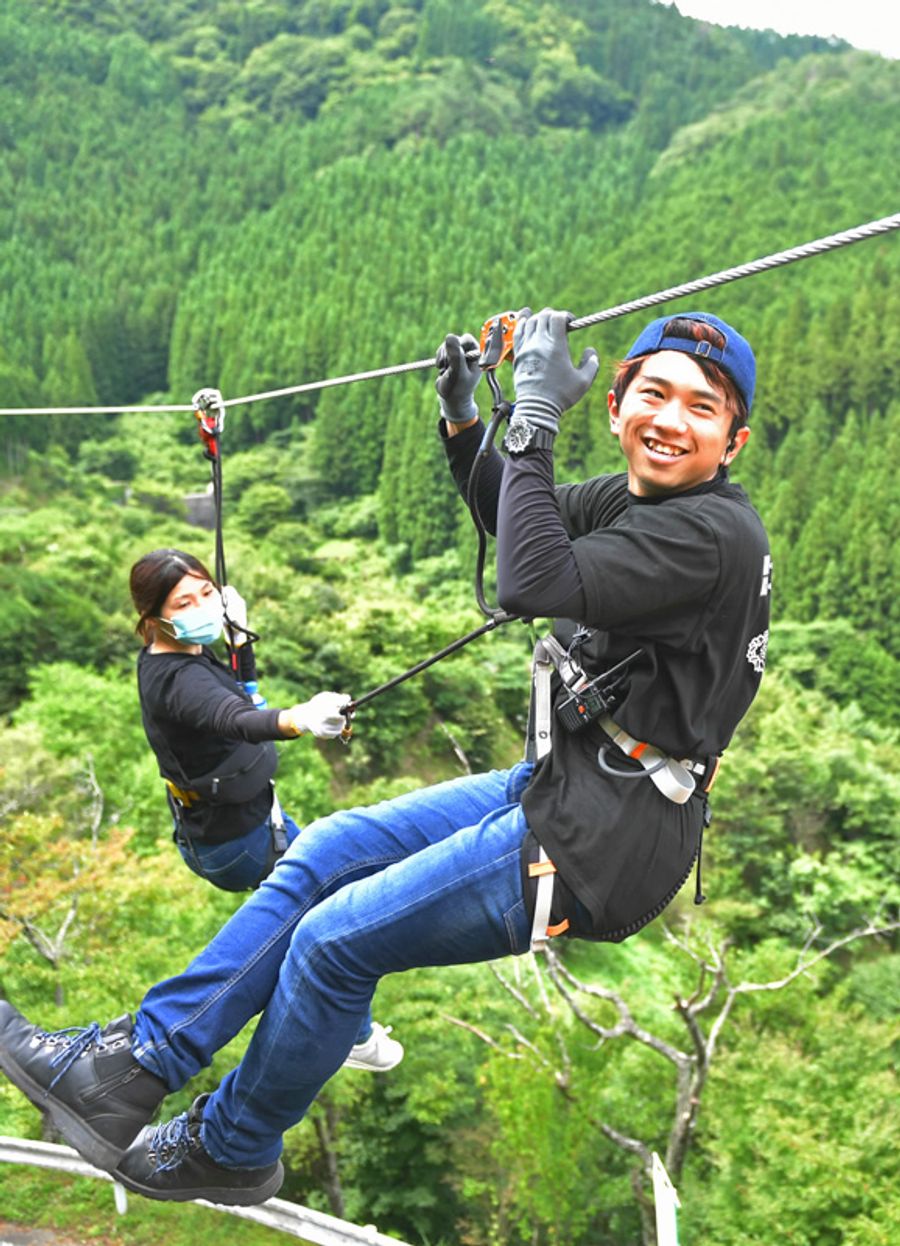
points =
(546, 380)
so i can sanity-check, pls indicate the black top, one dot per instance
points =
(194, 713)
(685, 577)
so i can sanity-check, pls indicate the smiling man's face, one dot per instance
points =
(673, 426)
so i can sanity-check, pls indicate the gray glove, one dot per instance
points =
(457, 378)
(547, 382)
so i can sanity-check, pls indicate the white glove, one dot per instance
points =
(235, 609)
(320, 716)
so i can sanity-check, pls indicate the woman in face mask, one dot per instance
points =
(215, 747)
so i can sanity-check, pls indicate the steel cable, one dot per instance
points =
(818, 247)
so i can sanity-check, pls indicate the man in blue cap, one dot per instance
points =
(658, 578)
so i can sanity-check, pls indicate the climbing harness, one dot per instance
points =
(237, 778)
(278, 843)
(209, 408)
(544, 871)
(589, 702)
(209, 411)
(675, 779)
(819, 246)
(539, 746)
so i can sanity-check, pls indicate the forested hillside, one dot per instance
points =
(253, 195)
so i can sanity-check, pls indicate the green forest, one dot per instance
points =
(257, 194)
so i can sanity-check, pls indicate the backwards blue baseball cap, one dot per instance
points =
(707, 337)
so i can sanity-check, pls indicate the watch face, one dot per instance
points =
(518, 435)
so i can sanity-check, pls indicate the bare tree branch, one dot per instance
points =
(713, 993)
(456, 747)
(633, 1145)
(688, 1013)
(682, 945)
(529, 1046)
(95, 819)
(562, 978)
(517, 995)
(863, 932)
(486, 1038)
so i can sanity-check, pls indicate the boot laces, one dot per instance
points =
(73, 1042)
(173, 1140)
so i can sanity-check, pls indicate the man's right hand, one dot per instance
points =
(458, 378)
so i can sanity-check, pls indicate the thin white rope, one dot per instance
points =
(808, 249)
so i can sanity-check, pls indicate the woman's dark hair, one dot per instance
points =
(152, 579)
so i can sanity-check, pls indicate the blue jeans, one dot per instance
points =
(431, 878)
(239, 864)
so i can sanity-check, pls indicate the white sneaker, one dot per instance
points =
(378, 1053)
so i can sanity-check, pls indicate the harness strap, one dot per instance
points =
(542, 704)
(539, 742)
(181, 795)
(675, 779)
(544, 871)
(276, 822)
(570, 672)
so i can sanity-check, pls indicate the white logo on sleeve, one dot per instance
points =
(766, 586)
(756, 651)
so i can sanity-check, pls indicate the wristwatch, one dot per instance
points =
(521, 436)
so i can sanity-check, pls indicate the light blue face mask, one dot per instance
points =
(200, 625)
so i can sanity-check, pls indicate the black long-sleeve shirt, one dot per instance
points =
(685, 578)
(194, 715)
(543, 579)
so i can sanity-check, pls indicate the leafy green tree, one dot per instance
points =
(68, 380)
(462, 29)
(136, 71)
(805, 831)
(80, 711)
(771, 1161)
(262, 506)
(42, 617)
(566, 93)
(580, 1111)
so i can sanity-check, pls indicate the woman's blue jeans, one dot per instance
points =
(238, 864)
(431, 878)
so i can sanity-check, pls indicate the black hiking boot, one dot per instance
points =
(170, 1162)
(85, 1079)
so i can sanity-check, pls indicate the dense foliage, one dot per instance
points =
(256, 194)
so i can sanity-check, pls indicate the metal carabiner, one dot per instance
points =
(209, 408)
(496, 344)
